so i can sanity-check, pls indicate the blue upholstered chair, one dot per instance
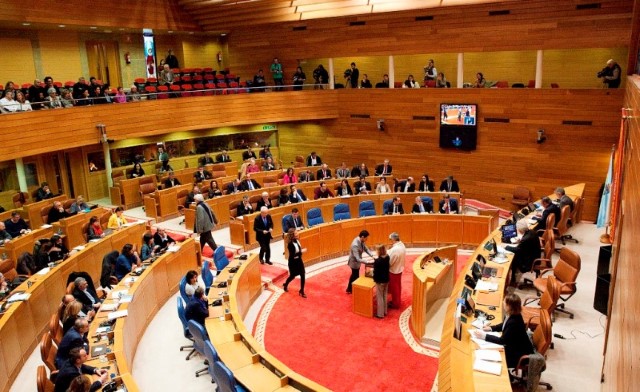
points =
(207, 276)
(366, 208)
(220, 259)
(185, 328)
(211, 355)
(341, 212)
(224, 379)
(284, 219)
(428, 201)
(183, 293)
(314, 217)
(199, 338)
(386, 206)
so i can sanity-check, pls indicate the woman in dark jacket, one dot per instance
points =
(296, 265)
(381, 277)
(426, 185)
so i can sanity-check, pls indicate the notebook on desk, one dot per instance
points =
(492, 298)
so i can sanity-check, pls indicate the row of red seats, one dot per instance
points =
(198, 89)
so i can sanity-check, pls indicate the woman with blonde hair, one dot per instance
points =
(70, 315)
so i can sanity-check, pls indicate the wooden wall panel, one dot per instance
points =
(507, 154)
(511, 66)
(201, 53)
(578, 67)
(622, 357)
(19, 66)
(60, 55)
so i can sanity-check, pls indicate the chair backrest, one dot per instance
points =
(314, 217)
(341, 212)
(502, 84)
(146, 189)
(207, 276)
(8, 269)
(549, 298)
(567, 269)
(366, 208)
(531, 84)
(183, 293)
(386, 205)
(48, 351)
(223, 377)
(211, 355)
(549, 240)
(522, 193)
(44, 213)
(563, 224)
(551, 221)
(220, 258)
(577, 207)
(542, 334)
(42, 381)
(183, 318)
(55, 328)
(199, 336)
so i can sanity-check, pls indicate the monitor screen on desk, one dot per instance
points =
(457, 326)
(508, 232)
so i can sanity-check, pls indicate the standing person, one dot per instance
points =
(611, 74)
(171, 60)
(321, 77)
(397, 255)
(355, 256)
(298, 79)
(263, 226)
(205, 222)
(296, 265)
(430, 72)
(278, 76)
(354, 76)
(381, 277)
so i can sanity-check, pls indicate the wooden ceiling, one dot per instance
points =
(226, 15)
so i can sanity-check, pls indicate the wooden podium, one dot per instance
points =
(362, 290)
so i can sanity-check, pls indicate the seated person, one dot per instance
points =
(252, 167)
(94, 231)
(59, 251)
(171, 181)
(41, 253)
(344, 189)
(79, 205)
(384, 83)
(201, 175)
(16, 226)
(234, 187)
(43, 193)
(107, 275)
(75, 367)
(290, 177)
(306, 176)
(259, 82)
(324, 173)
(360, 170)
(248, 154)
(137, 170)
(268, 165)
(426, 185)
(525, 252)
(514, 336)
(283, 197)
(249, 184)
(422, 206)
(365, 82)
(4, 286)
(407, 185)
(26, 264)
(245, 207)
(449, 185)
(162, 239)
(295, 195)
(166, 76)
(563, 200)
(116, 220)
(214, 190)
(480, 82)
(322, 192)
(125, 262)
(4, 234)
(395, 207)
(191, 196)
(194, 281)
(71, 313)
(264, 201)
(75, 337)
(293, 221)
(448, 205)
(84, 294)
(206, 159)
(223, 157)
(384, 169)
(198, 309)
(343, 171)
(313, 159)
(56, 213)
(549, 208)
(362, 186)
(410, 83)
(382, 186)
(149, 248)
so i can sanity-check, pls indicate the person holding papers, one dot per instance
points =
(116, 220)
(514, 336)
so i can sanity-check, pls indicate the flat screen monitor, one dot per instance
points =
(457, 114)
(508, 232)
(458, 126)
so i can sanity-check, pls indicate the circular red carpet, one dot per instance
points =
(321, 338)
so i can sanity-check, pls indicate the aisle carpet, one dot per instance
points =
(321, 338)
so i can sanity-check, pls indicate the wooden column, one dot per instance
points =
(392, 72)
(460, 70)
(539, 57)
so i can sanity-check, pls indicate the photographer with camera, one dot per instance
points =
(611, 74)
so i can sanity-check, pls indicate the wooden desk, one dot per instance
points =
(363, 289)
(32, 210)
(127, 192)
(72, 226)
(25, 242)
(163, 204)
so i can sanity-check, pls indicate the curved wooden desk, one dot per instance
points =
(455, 369)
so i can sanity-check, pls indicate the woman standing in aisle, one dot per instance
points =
(296, 265)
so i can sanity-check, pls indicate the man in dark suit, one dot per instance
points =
(75, 337)
(162, 239)
(407, 185)
(295, 195)
(449, 185)
(322, 192)
(549, 208)
(85, 295)
(43, 192)
(75, 367)
(245, 207)
(305, 176)
(422, 206)
(206, 159)
(234, 187)
(448, 205)
(360, 170)
(249, 184)
(223, 157)
(293, 221)
(198, 309)
(527, 250)
(395, 207)
(171, 181)
(264, 201)
(324, 173)
(313, 159)
(384, 169)
(201, 175)
(56, 213)
(563, 199)
(362, 186)
(248, 154)
(263, 226)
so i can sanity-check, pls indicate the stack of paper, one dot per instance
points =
(477, 323)
(487, 367)
(117, 314)
(43, 271)
(485, 285)
(79, 247)
(488, 355)
(18, 297)
(108, 307)
(173, 248)
(45, 226)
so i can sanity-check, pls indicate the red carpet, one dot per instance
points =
(321, 338)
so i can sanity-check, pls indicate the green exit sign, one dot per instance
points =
(269, 127)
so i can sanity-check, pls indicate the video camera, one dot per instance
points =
(603, 73)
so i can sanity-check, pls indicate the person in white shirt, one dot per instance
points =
(397, 254)
(382, 186)
(8, 104)
(410, 83)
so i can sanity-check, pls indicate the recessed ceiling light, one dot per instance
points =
(170, 31)
(223, 34)
(93, 27)
(26, 24)
(121, 29)
(62, 26)
(107, 31)
(191, 33)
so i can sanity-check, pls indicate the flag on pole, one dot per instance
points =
(605, 202)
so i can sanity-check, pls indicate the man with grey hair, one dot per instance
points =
(83, 294)
(75, 337)
(263, 226)
(527, 250)
(4, 234)
(563, 199)
(397, 255)
(205, 222)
